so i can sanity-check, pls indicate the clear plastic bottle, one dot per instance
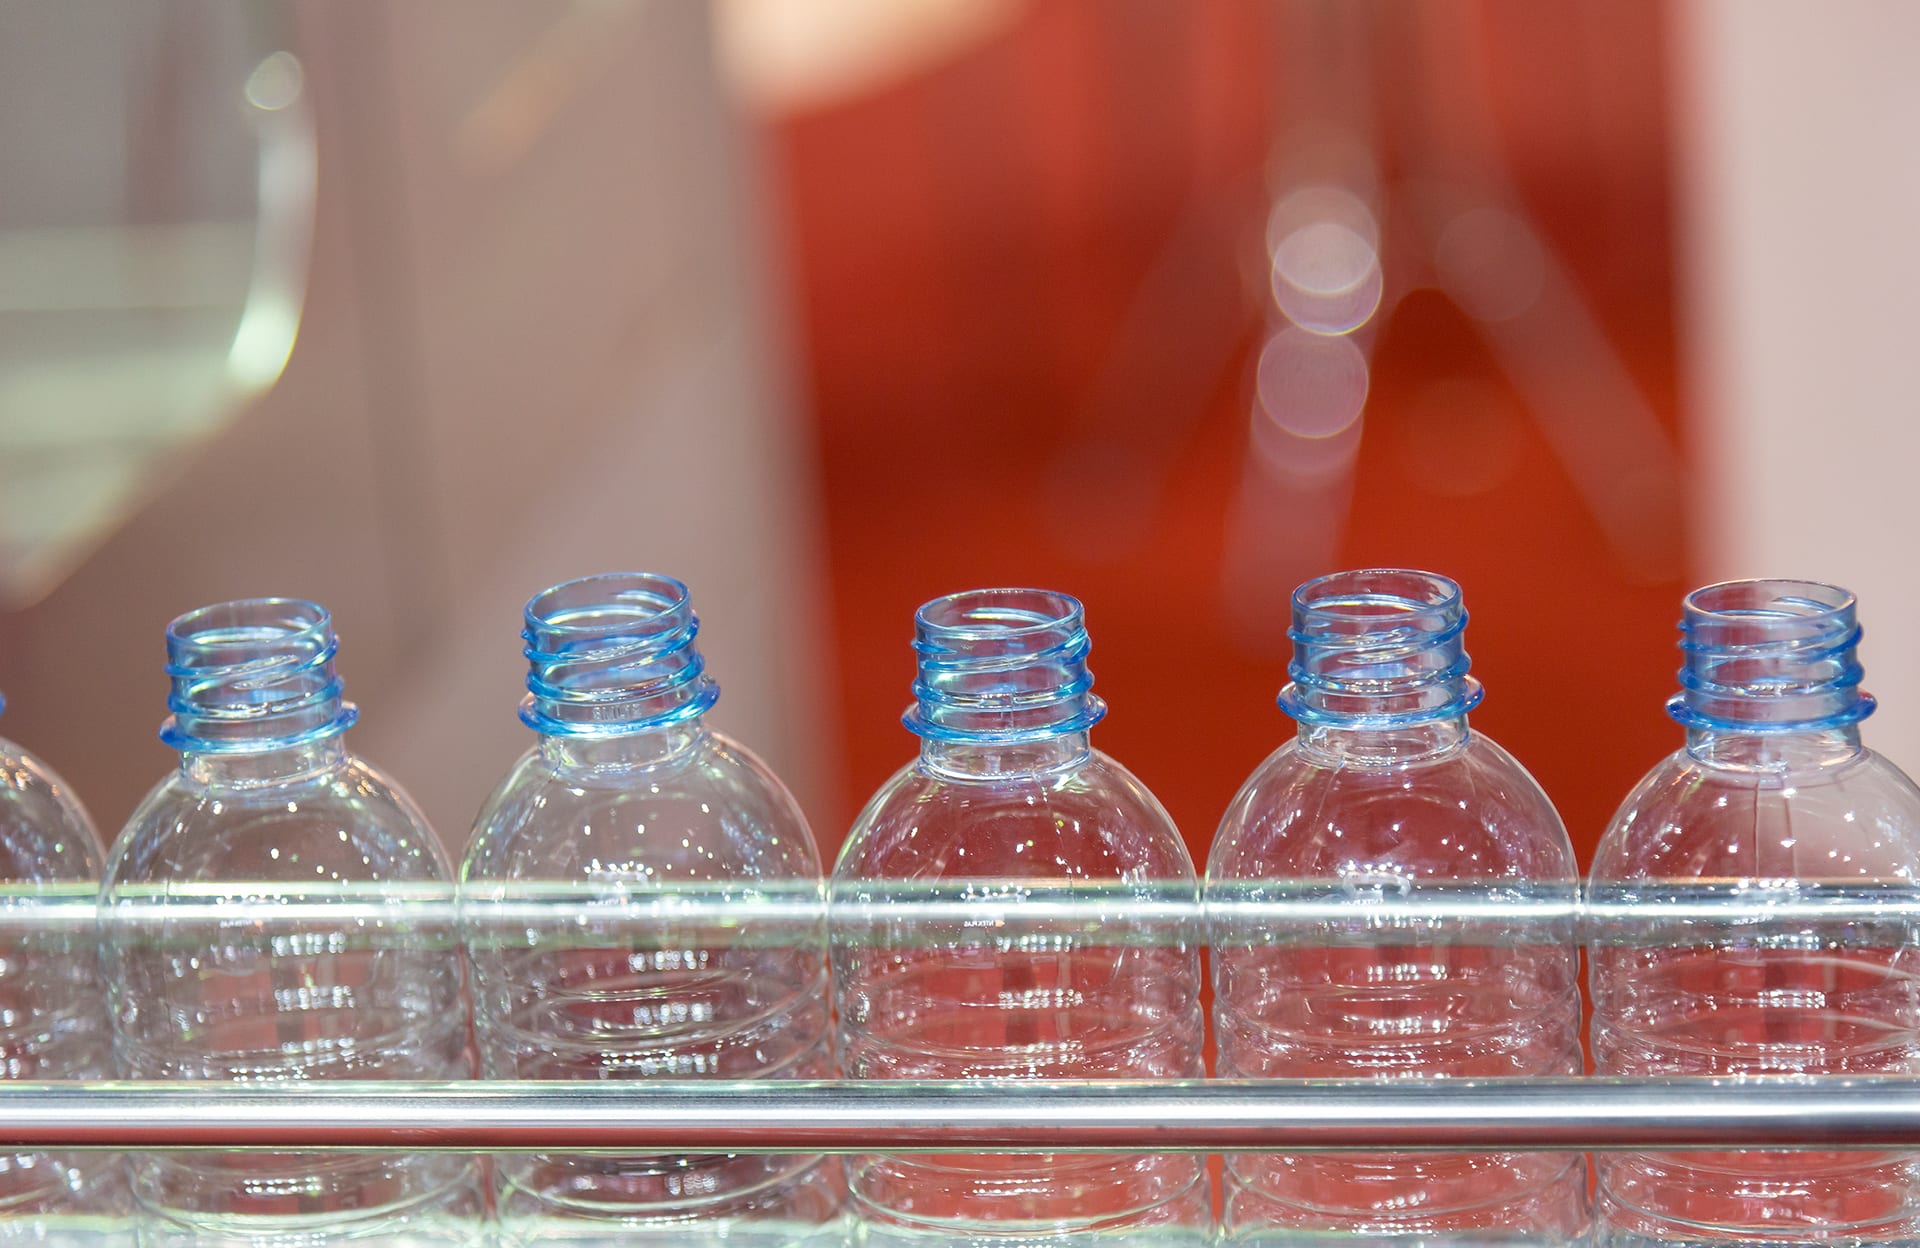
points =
(630, 811)
(1383, 805)
(53, 1020)
(1712, 954)
(278, 911)
(1008, 809)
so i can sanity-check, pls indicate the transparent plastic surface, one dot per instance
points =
(625, 807)
(1384, 805)
(598, 979)
(1114, 914)
(1773, 813)
(269, 815)
(1009, 807)
(53, 1021)
(1752, 829)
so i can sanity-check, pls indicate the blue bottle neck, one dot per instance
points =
(1771, 677)
(1003, 686)
(1379, 666)
(254, 691)
(614, 657)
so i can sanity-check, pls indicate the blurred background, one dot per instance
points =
(832, 306)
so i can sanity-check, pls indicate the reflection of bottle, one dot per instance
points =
(1008, 808)
(625, 809)
(52, 1021)
(1385, 801)
(277, 911)
(1754, 838)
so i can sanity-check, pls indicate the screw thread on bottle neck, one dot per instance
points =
(1005, 671)
(253, 677)
(613, 655)
(1770, 657)
(1380, 649)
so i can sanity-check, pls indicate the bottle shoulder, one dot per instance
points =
(710, 812)
(1471, 812)
(341, 824)
(1852, 819)
(46, 834)
(1092, 819)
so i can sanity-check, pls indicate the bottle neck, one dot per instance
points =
(1771, 672)
(991, 760)
(624, 752)
(254, 678)
(612, 656)
(264, 768)
(1731, 749)
(1003, 685)
(1339, 744)
(1379, 666)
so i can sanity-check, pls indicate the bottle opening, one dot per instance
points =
(1378, 648)
(1002, 666)
(1770, 656)
(613, 654)
(253, 676)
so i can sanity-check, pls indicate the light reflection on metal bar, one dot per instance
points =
(1214, 1115)
(1134, 915)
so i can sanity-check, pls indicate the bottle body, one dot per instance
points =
(583, 895)
(622, 832)
(1355, 995)
(329, 994)
(1770, 988)
(278, 911)
(953, 1000)
(962, 972)
(1725, 862)
(53, 1022)
(1385, 811)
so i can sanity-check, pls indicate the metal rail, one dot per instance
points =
(772, 914)
(1190, 1116)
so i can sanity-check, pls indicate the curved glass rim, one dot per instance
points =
(247, 619)
(1023, 611)
(1764, 597)
(1350, 588)
(582, 604)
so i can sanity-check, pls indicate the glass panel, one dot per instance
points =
(151, 268)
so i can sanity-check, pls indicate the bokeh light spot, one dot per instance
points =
(1310, 385)
(1325, 251)
(275, 82)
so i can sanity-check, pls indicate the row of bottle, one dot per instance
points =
(1384, 793)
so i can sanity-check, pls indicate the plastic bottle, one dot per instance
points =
(1386, 804)
(1744, 896)
(1007, 811)
(53, 1021)
(277, 911)
(630, 810)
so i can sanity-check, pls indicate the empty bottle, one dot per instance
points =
(1753, 903)
(277, 912)
(1374, 897)
(964, 968)
(584, 889)
(53, 1021)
